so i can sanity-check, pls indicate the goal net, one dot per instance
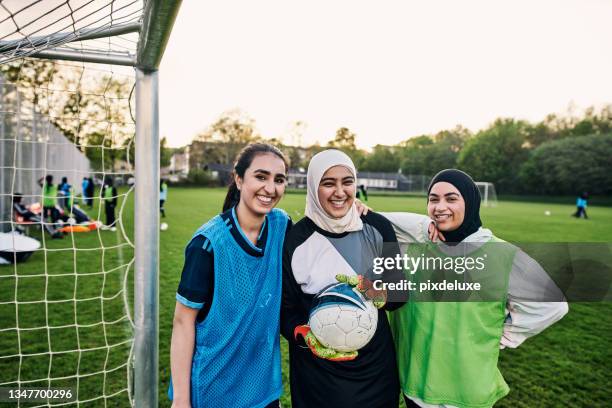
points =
(487, 193)
(78, 282)
(64, 317)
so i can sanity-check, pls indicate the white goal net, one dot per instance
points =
(65, 321)
(78, 266)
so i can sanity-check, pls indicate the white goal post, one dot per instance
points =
(487, 193)
(131, 33)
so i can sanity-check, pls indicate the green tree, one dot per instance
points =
(382, 158)
(92, 113)
(234, 129)
(345, 141)
(295, 158)
(496, 153)
(430, 154)
(99, 152)
(31, 76)
(222, 140)
(203, 152)
(569, 166)
(538, 134)
(165, 153)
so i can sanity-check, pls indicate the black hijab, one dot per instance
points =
(471, 196)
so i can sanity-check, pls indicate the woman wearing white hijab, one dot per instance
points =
(332, 241)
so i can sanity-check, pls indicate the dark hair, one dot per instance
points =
(243, 162)
(49, 179)
(17, 197)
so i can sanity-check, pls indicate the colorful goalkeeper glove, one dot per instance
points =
(366, 288)
(320, 350)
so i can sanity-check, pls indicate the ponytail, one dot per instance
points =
(232, 198)
(243, 162)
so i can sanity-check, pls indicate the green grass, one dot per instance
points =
(69, 296)
(566, 365)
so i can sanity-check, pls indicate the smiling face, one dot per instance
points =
(263, 184)
(337, 191)
(446, 206)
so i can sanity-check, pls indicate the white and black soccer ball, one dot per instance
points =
(342, 319)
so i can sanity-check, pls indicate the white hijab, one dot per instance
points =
(319, 164)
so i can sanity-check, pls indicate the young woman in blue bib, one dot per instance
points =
(225, 349)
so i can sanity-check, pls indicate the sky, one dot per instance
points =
(387, 70)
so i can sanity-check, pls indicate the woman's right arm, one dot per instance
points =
(181, 354)
(195, 292)
(409, 228)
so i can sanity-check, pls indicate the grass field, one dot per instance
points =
(568, 365)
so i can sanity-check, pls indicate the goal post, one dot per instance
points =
(146, 239)
(116, 33)
(488, 195)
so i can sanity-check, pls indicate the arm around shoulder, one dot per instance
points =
(409, 227)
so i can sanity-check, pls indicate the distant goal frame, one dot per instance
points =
(488, 195)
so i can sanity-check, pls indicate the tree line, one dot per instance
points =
(562, 154)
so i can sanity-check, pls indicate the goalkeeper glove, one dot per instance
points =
(366, 288)
(320, 350)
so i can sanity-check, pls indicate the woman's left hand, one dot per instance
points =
(365, 287)
(362, 209)
(435, 234)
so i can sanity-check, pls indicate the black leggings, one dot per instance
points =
(52, 213)
(110, 214)
(580, 212)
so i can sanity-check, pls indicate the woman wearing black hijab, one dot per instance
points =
(447, 351)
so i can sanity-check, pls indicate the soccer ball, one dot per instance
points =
(163, 226)
(546, 212)
(342, 319)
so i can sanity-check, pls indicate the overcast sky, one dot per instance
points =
(388, 70)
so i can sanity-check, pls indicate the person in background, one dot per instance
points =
(20, 210)
(581, 205)
(362, 193)
(109, 195)
(163, 196)
(49, 198)
(84, 189)
(65, 192)
(90, 192)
